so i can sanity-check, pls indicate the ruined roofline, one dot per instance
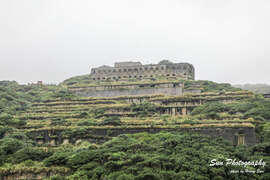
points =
(136, 64)
(127, 64)
(129, 70)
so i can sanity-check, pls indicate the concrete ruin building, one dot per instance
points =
(136, 70)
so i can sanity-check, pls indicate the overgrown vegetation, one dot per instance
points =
(139, 156)
(158, 156)
(15, 98)
(210, 86)
(256, 108)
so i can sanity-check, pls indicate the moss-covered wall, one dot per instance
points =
(173, 89)
(100, 135)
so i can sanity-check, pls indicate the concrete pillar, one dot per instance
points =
(241, 139)
(173, 111)
(66, 141)
(40, 141)
(184, 111)
(52, 142)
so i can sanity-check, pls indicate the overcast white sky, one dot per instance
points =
(51, 40)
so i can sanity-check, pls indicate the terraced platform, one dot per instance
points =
(57, 121)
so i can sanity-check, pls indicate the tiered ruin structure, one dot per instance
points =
(136, 70)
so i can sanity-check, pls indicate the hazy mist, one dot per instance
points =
(51, 40)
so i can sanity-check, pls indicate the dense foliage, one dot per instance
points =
(83, 79)
(210, 86)
(159, 156)
(257, 108)
(15, 98)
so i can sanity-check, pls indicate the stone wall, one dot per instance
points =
(173, 89)
(135, 70)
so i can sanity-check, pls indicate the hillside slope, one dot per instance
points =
(256, 88)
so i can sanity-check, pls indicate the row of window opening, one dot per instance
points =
(130, 70)
(125, 77)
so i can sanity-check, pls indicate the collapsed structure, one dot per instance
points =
(135, 79)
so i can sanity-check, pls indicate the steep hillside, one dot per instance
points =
(46, 131)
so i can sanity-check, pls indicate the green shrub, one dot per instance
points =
(98, 113)
(4, 130)
(10, 145)
(60, 122)
(144, 109)
(30, 153)
(81, 158)
(112, 120)
(87, 123)
(83, 115)
(58, 158)
(57, 177)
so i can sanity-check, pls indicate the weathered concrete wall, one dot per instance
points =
(131, 70)
(173, 91)
(102, 135)
(168, 88)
